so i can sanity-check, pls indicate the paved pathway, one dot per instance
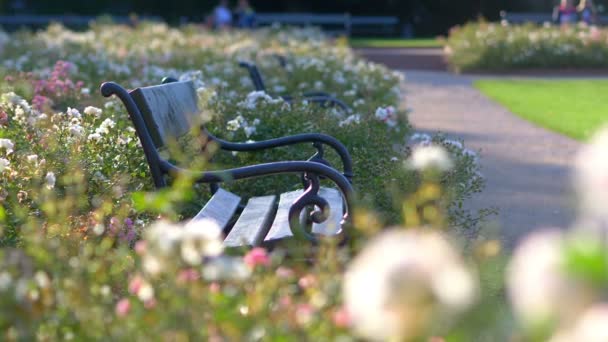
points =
(406, 58)
(527, 168)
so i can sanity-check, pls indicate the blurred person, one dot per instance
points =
(587, 12)
(245, 15)
(565, 13)
(222, 17)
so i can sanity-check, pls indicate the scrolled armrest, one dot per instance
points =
(325, 139)
(309, 197)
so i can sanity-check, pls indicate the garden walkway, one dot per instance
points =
(527, 168)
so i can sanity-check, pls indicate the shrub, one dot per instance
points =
(81, 258)
(375, 132)
(485, 46)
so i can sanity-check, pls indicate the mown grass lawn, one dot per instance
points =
(394, 43)
(576, 108)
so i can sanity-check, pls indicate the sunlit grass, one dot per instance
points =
(394, 43)
(576, 108)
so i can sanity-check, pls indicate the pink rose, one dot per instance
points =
(122, 307)
(257, 256)
(341, 318)
(135, 284)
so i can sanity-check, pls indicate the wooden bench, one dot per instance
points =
(318, 97)
(164, 112)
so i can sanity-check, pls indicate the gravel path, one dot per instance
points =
(527, 168)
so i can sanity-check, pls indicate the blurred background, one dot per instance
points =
(424, 17)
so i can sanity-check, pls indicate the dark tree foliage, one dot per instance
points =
(426, 16)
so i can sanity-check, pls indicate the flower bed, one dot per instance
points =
(80, 258)
(375, 132)
(493, 47)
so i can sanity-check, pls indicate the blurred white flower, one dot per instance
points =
(539, 288)
(145, 292)
(152, 265)
(201, 238)
(6, 280)
(249, 130)
(196, 76)
(50, 180)
(105, 290)
(76, 130)
(112, 105)
(420, 138)
(96, 112)
(591, 178)
(73, 112)
(94, 137)
(7, 145)
(454, 143)
(430, 157)
(402, 281)
(163, 237)
(592, 326)
(42, 279)
(33, 158)
(352, 119)
(351, 92)
(235, 124)
(387, 115)
(279, 88)
(105, 126)
(98, 229)
(254, 97)
(225, 268)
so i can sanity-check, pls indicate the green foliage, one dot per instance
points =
(485, 46)
(80, 258)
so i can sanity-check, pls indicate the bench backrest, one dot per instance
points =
(169, 110)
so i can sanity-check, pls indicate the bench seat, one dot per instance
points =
(265, 220)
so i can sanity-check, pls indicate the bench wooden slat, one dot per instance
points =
(253, 223)
(220, 208)
(280, 226)
(336, 211)
(168, 109)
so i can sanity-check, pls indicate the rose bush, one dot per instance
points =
(81, 257)
(57, 69)
(486, 46)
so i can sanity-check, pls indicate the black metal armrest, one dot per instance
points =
(321, 99)
(282, 59)
(314, 96)
(317, 93)
(254, 74)
(315, 138)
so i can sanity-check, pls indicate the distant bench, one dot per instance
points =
(537, 17)
(336, 23)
